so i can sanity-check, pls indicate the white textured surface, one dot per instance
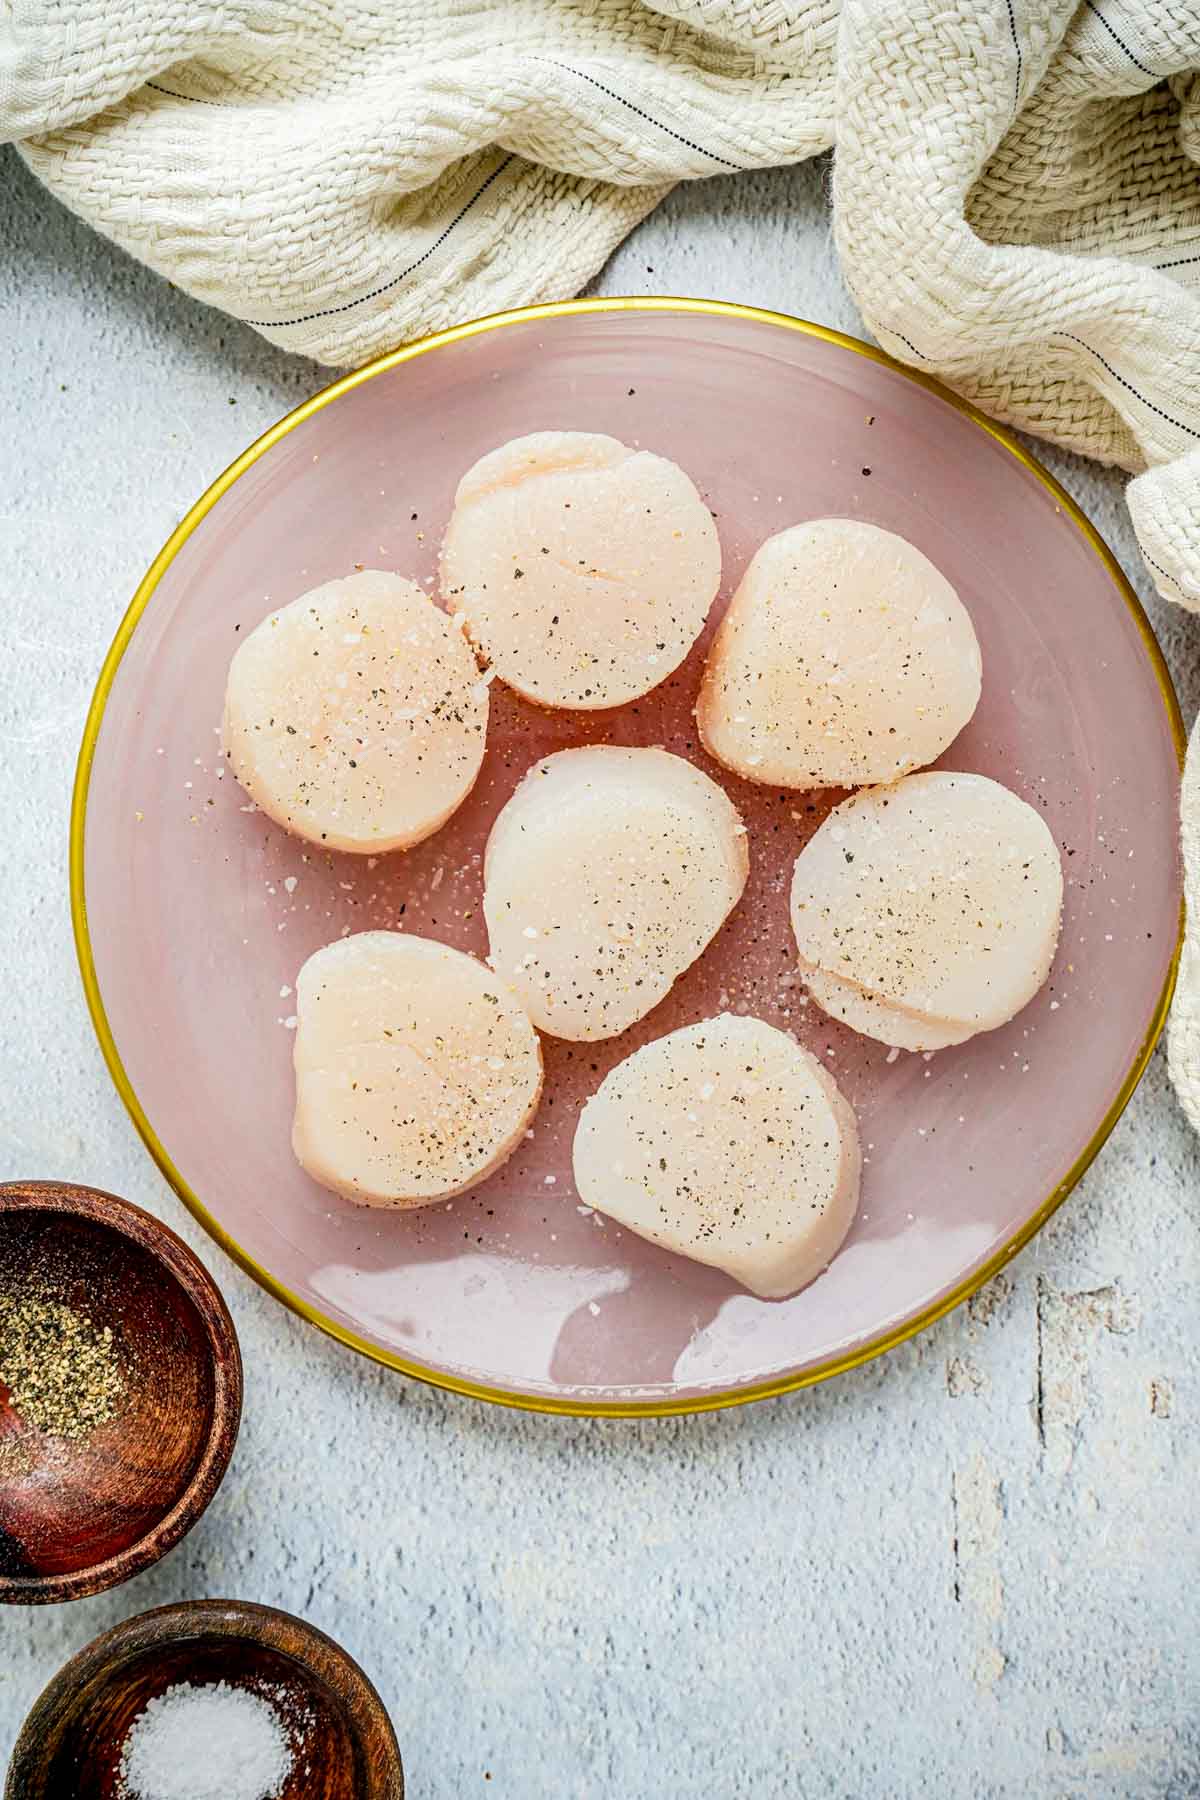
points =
(968, 1569)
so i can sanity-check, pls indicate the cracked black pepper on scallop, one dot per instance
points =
(581, 569)
(357, 716)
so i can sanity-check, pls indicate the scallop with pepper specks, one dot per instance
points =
(728, 1143)
(356, 716)
(581, 569)
(928, 910)
(416, 1070)
(845, 657)
(606, 875)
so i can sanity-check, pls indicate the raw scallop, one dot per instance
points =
(845, 657)
(929, 910)
(583, 570)
(605, 876)
(892, 1025)
(356, 716)
(728, 1143)
(416, 1070)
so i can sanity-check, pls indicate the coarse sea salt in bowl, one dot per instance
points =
(208, 1700)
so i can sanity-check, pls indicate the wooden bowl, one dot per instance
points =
(343, 1744)
(80, 1515)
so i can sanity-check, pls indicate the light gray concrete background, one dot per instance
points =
(897, 1584)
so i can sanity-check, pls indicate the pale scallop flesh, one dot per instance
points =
(582, 570)
(417, 1072)
(845, 657)
(606, 875)
(928, 910)
(728, 1143)
(356, 716)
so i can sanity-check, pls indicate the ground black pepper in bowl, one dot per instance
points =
(120, 1391)
(61, 1370)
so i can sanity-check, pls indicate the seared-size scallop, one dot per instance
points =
(896, 1026)
(928, 910)
(845, 657)
(729, 1143)
(606, 875)
(583, 570)
(356, 716)
(417, 1071)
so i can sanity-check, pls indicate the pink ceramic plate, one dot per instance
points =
(193, 913)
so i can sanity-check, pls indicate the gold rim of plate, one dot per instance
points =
(584, 1406)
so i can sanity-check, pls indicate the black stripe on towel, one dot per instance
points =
(191, 99)
(327, 311)
(1120, 42)
(649, 117)
(1136, 392)
(1012, 21)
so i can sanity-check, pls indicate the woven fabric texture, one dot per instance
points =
(1016, 192)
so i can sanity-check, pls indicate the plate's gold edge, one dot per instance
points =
(705, 1402)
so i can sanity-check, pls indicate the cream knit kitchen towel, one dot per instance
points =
(1016, 200)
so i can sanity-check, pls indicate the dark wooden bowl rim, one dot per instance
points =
(188, 1620)
(170, 1251)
